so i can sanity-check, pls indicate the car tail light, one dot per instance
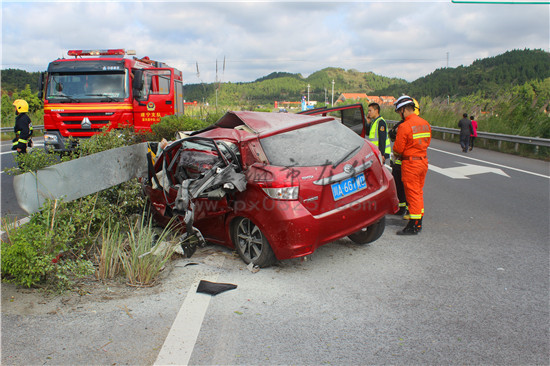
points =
(281, 193)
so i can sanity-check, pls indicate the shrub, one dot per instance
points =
(146, 253)
(31, 254)
(112, 243)
(170, 125)
(36, 159)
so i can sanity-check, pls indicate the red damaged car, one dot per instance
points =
(273, 185)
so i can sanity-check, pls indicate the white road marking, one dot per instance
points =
(181, 339)
(495, 164)
(462, 172)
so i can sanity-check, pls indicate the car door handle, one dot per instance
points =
(168, 102)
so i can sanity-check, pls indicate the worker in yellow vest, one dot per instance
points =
(378, 130)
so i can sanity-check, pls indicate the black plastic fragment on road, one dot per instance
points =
(214, 288)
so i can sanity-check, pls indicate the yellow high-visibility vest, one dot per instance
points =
(373, 135)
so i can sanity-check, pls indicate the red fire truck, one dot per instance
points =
(99, 88)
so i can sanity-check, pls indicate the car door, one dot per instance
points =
(352, 116)
(155, 97)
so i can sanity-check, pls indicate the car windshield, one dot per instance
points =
(320, 144)
(75, 87)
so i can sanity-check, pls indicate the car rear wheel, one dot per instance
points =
(370, 233)
(251, 243)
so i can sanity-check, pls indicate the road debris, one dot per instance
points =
(214, 288)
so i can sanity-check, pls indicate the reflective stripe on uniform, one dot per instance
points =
(415, 217)
(21, 140)
(421, 135)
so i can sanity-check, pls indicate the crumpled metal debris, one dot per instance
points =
(217, 181)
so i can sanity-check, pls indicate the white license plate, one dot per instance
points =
(348, 186)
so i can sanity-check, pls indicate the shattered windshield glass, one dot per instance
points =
(76, 87)
(316, 145)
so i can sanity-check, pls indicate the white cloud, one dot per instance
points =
(397, 39)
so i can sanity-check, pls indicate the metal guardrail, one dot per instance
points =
(534, 141)
(516, 139)
(10, 129)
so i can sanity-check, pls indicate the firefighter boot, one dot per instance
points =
(406, 215)
(413, 228)
(401, 211)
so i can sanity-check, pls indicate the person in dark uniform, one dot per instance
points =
(23, 127)
(465, 125)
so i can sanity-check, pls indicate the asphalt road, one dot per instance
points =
(8, 203)
(472, 288)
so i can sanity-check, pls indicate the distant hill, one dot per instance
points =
(286, 86)
(276, 75)
(15, 79)
(487, 76)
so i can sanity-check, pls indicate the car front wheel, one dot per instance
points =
(370, 233)
(251, 244)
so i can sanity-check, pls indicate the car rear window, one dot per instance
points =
(321, 144)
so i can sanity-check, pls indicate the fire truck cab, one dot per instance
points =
(104, 88)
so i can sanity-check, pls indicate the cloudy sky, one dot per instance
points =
(405, 39)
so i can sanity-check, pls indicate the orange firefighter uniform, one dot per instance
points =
(411, 143)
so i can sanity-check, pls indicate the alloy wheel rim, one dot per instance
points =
(249, 239)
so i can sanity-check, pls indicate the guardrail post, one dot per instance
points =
(516, 147)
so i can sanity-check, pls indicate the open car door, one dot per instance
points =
(352, 116)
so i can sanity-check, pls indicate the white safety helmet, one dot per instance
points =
(403, 101)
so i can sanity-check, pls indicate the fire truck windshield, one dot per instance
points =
(87, 87)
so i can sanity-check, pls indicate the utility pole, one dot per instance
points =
(326, 101)
(447, 59)
(332, 93)
(307, 94)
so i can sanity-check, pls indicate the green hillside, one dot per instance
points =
(488, 76)
(15, 79)
(282, 86)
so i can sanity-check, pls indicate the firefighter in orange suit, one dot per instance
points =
(411, 147)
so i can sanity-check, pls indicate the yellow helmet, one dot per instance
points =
(21, 106)
(416, 107)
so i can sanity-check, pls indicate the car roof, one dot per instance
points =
(244, 125)
(263, 124)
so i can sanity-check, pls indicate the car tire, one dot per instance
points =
(251, 244)
(370, 233)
